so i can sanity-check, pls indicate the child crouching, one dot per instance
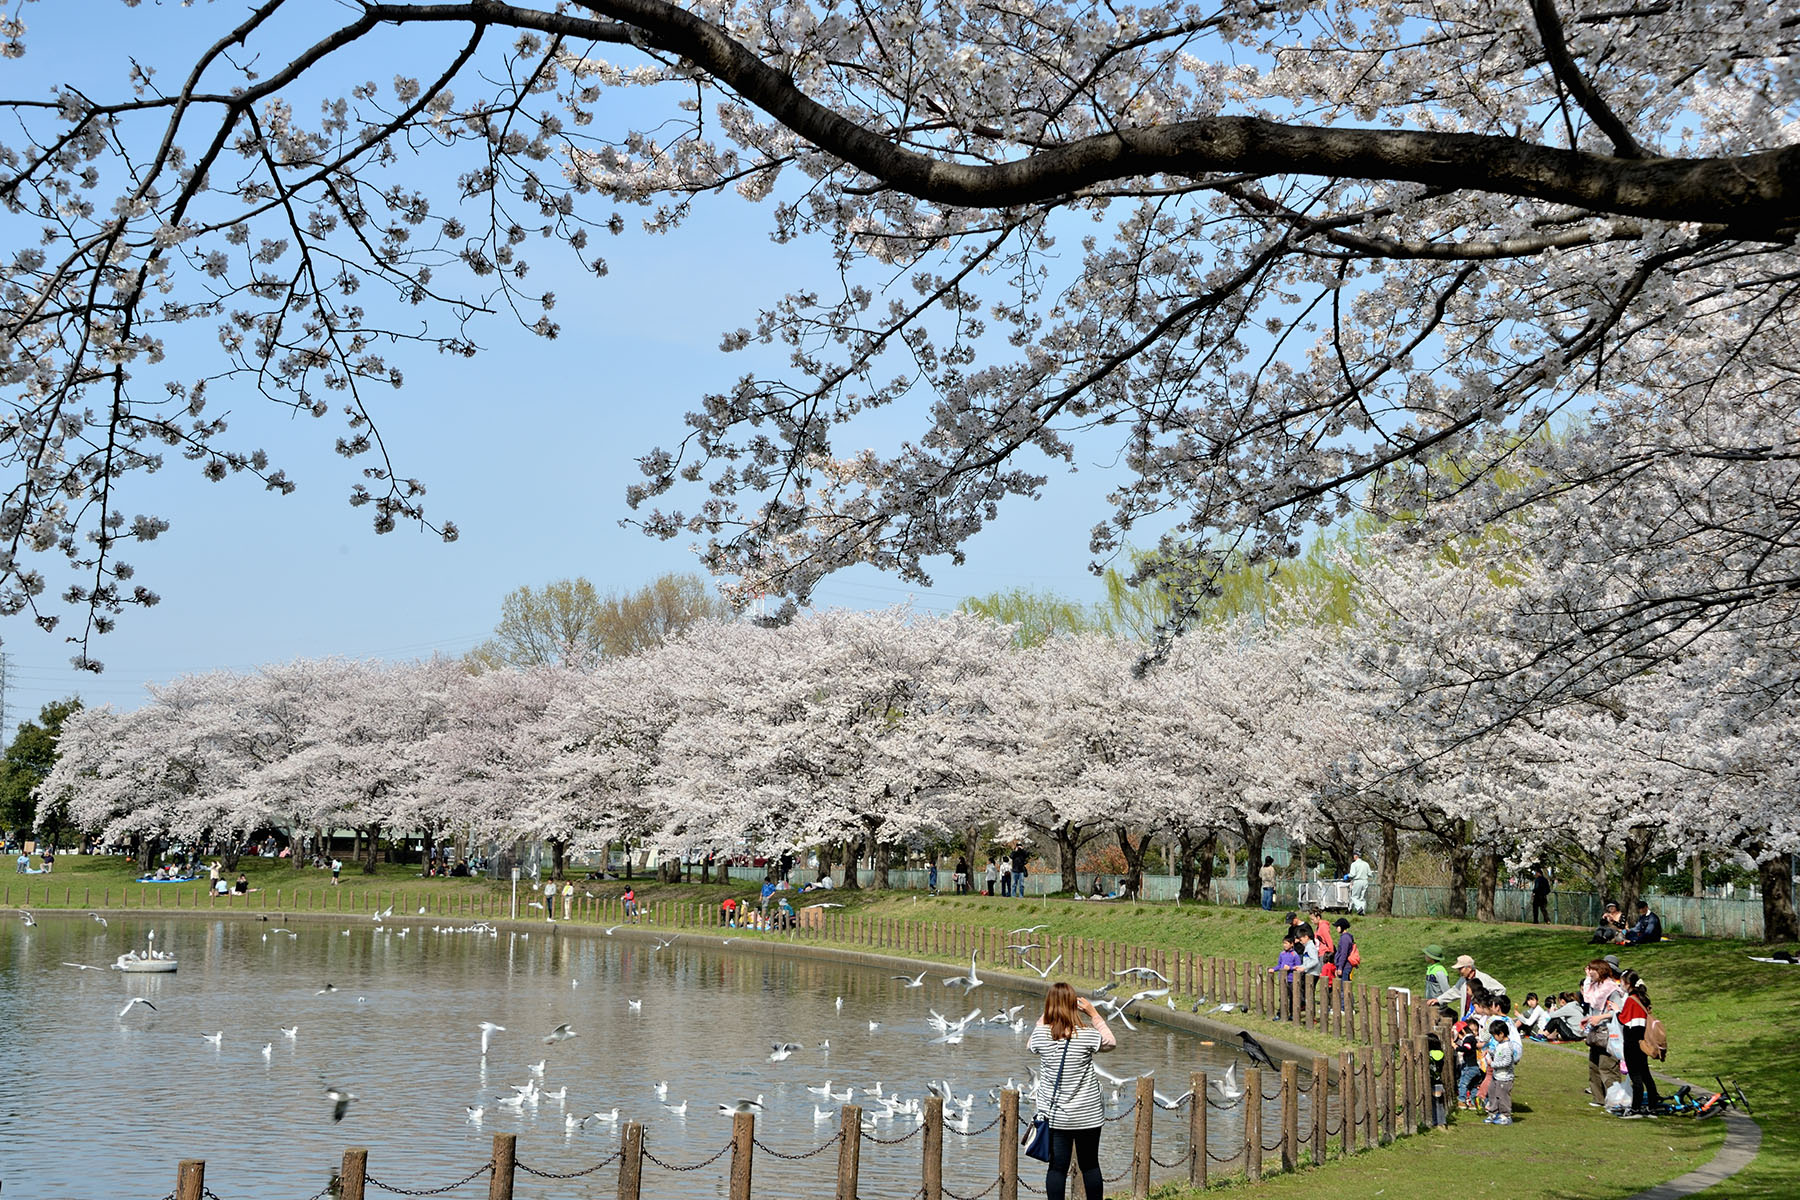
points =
(1502, 1057)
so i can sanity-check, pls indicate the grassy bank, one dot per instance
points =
(1725, 1015)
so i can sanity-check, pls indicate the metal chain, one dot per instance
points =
(209, 1194)
(1026, 1184)
(1228, 1158)
(1119, 1176)
(977, 1196)
(973, 1132)
(614, 1157)
(723, 1151)
(1211, 1103)
(1332, 1131)
(905, 1137)
(768, 1149)
(486, 1168)
(1271, 1147)
(330, 1189)
(1122, 1115)
(1180, 1162)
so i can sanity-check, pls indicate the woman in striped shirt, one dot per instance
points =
(1066, 1039)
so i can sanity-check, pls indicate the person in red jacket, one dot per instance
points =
(1633, 1017)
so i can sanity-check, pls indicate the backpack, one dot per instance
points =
(1656, 1039)
(1355, 959)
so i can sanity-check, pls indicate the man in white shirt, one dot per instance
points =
(1359, 883)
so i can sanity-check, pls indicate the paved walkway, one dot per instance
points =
(1743, 1138)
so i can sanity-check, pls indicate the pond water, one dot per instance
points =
(95, 1103)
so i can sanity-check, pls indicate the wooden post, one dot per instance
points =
(190, 1179)
(1140, 1139)
(1197, 1132)
(354, 1171)
(1406, 1060)
(1366, 1084)
(631, 1161)
(1290, 1115)
(500, 1186)
(1388, 1093)
(1347, 1101)
(1449, 1073)
(1321, 1102)
(934, 1147)
(1253, 1122)
(743, 1145)
(1368, 1014)
(849, 1150)
(1009, 1144)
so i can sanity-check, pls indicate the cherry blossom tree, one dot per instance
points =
(1311, 247)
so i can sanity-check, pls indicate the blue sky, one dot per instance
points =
(528, 447)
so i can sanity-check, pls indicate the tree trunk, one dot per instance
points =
(1253, 856)
(1634, 868)
(825, 856)
(1068, 847)
(1697, 886)
(228, 858)
(628, 856)
(852, 861)
(1462, 858)
(559, 856)
(1390, 869)
(1133, 888)
(1490, 883)
(879, 854)
(1779, 921)
(1185, 851)
(374, 849)
(668, 868)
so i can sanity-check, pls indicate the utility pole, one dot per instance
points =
(5, 717)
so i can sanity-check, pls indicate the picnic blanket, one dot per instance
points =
(154, 879)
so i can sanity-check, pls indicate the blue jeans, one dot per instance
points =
(1269, 898)
(1082, 1145)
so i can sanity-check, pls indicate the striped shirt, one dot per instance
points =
(1076, 1103)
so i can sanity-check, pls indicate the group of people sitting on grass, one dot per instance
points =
(774, 913)
(1611, 1012)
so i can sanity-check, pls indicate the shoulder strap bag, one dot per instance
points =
(1037, 1138)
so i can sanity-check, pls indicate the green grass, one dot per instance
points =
(1725, 1015)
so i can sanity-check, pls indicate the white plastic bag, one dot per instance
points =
(1618, 1094)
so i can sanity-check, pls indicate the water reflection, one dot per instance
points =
(95, 1104)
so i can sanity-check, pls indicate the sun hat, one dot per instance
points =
(1463, 961)
(1434, 952)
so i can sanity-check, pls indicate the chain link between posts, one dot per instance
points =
(977, 1196)
(905, 1137)
(973, 1132)
(1170, 1166)
(705, 1162)
(1122, 1114)
(486, 1168)
(608, 1161)
(770, 1150)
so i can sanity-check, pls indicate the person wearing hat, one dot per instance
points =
(1437, 979)
(1358, 875)
(1465, 967)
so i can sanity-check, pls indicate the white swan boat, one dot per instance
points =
(153, 962)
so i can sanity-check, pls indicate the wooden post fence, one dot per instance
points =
(631, 1161)
(1290, 1115)
(743, 1145)
(1253, 1121)
(1321, 1104)
(1197, 1131)
(190, 1179)
(934, 1147)
(1347, 1091)
(1140, 1141)
(354, 1172)
(1009, 1144)
(500, 1186)
(849, 1151)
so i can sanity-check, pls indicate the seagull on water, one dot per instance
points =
(217, 1039)
(635, 1005)
(488, 1030)
(661, 1090)
(475, 1112)
(679, 1110)
(268, 1051)
(326, 990)
(608, 1117)
(824, 1090)
(133, 1003)
(537, 1068)
(290, 1032)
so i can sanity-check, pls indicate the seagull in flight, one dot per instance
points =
(1147, 994)
(29, 919)
(781, 1050)
(1177, 1102)
(99, 918)
(1228, 1006)
(133, 1003)
(740, 1106)
(1043, 972)
(326, 990)
(1029, 929)
(1143, 973)
(561, 1033)
(911, 981)
(488, 1030)
(340, 1101)
(81, 966)
(1229, 1087)
(971, 981)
